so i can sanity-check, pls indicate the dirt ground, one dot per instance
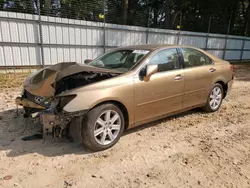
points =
(193, 149)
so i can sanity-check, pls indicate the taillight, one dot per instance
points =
(232, 68)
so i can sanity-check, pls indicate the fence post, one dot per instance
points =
(104, 29)
(147, 31)
(179, 32)
(208, 31)
(243, 44)
(40, 31)
(225, 47)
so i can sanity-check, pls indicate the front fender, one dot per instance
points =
(89, 99)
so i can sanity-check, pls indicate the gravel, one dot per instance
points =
(192, 149)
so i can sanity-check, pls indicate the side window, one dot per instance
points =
(166, 60)
(194, 58)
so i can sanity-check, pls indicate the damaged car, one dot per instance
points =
(93, 103)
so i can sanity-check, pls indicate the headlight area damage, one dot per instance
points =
(40, 95)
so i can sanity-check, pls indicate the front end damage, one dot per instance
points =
(40, 97)
(56, 122)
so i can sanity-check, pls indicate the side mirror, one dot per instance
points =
(87, 61)
(148, 71)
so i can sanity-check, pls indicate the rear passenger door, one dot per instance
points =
(198, 71)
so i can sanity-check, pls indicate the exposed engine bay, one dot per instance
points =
(80, 79)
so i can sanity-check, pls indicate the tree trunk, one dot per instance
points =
(247, 20)
(125, 12)
(47, 7)
(233, 15)
(155, 17)
(167, 15)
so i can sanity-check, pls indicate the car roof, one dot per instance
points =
(152, 47)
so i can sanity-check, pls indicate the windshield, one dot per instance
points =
(122, 60)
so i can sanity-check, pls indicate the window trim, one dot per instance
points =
(182, 58)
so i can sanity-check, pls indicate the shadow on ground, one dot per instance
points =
(13, 128)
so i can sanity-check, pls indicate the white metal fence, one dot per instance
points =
(26, 40)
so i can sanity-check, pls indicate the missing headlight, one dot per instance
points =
(63, 101)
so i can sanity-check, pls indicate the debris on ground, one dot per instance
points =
(192, 149)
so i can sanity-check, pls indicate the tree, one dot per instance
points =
(125, 11)
(194, 14)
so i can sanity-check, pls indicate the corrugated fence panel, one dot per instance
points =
(192, 39)
(199, 42)
(232, 55)
(124, 38)
(5, 31)
(8, 55)
(75, 37)
(246, 55)
(59, 34)
(54, 55)
(247, 45)
(217, 53)
(77, 40)
(17, 60)
(13, 31)
(33, 32)
(35, 56)
(22, 32)
(2, 57)
(52, 34)
(25, 55)
(216, 43)
(234, 44)
(161, 39)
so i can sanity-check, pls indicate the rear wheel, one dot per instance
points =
(102, 127)
(215, 98)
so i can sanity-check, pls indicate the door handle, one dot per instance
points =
(178, 77)
(212, 70)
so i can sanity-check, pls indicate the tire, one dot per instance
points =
(209, 107)
(96, 136)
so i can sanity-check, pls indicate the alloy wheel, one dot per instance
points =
(107, 127)
(215, 98)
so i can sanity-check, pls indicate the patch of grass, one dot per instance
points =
(11, 80)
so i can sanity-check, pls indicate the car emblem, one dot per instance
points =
(39, 99)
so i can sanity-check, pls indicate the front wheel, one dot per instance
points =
(102, 127)
(215, 98)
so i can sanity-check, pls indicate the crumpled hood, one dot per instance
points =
(42, 83)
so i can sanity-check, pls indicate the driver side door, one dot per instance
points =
(163, 92)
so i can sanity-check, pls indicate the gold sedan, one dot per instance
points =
(94, 103)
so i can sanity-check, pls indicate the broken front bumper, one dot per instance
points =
(28, 103)
(60, 125)
(53, 123)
